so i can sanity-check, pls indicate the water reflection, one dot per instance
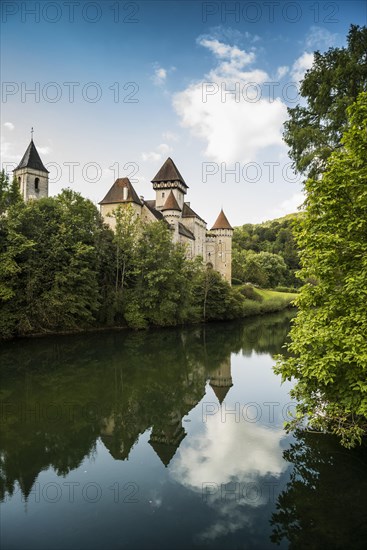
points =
(60, 395)
(173, 412)
(324, 504)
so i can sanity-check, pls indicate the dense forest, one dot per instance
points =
(62, 268)
(266, 254)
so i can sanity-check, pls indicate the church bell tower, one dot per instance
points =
(32, 175)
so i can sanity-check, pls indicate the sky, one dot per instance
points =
(113, 88)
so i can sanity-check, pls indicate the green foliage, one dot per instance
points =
(332, 84)
(329, 346)
(276, 261)
(9, 192)
(62, 269)
(250, 293)
(51, 264)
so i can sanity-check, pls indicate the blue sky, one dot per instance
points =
(119, 86)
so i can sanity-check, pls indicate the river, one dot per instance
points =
(167, 439)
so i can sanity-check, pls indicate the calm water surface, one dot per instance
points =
(167, 439)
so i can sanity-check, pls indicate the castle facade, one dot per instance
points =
(188, 228)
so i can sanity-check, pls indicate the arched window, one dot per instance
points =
(36, 184)
(19, 180)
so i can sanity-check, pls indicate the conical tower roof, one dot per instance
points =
(169, 172)
(171, 203)
(116, 193)
(31, 159)
(220, 392)
(222, 222)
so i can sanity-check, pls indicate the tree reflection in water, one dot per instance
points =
(324, 504)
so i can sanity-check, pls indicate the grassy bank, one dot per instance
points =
(259, 301)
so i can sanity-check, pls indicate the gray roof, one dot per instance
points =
(171, 203)
(188, 212)
(31, 159)
(115, 194)
(185, 232)
(169, 172)
(151, 206)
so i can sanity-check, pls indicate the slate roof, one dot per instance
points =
(222, 222)
(115, 194)
(31, 159)
(151, 206)
(188, 212)
(171, 203)
(185, 232)
(169, 172)
(220, 392)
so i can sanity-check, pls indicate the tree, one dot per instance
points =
(333, 83)
(126, 237)
(328, 340)
(51, 264)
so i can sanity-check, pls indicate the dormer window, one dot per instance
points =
(36, 184)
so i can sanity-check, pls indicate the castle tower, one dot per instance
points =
(32, 175)
(169, 179)
(172, 213)
(221, 245)
(221, 380)
(122, 192)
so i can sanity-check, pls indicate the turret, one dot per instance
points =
(172, 213)
(169, 179)
(222, 232)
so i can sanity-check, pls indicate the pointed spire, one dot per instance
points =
(169, 172)
(220, 391)
(31, 159)
(222, 222)
(171, 203)
(121, 191)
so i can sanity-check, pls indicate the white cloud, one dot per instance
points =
(151, 156)
(233, 130)
(243, 453)
(281, 71)
(161, 150)
(289, 206)
(160, 76)
(301, 65)
(320, 38)
(9, 125)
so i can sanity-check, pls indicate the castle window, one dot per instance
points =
(36, 184)
(162, 195)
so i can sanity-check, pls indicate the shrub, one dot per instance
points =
(250, 293)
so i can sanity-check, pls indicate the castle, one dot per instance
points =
(188, 228)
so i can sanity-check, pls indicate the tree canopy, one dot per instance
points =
(328, 349)
(313, 131)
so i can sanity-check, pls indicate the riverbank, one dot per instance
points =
(257, 302)
(260, 301)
